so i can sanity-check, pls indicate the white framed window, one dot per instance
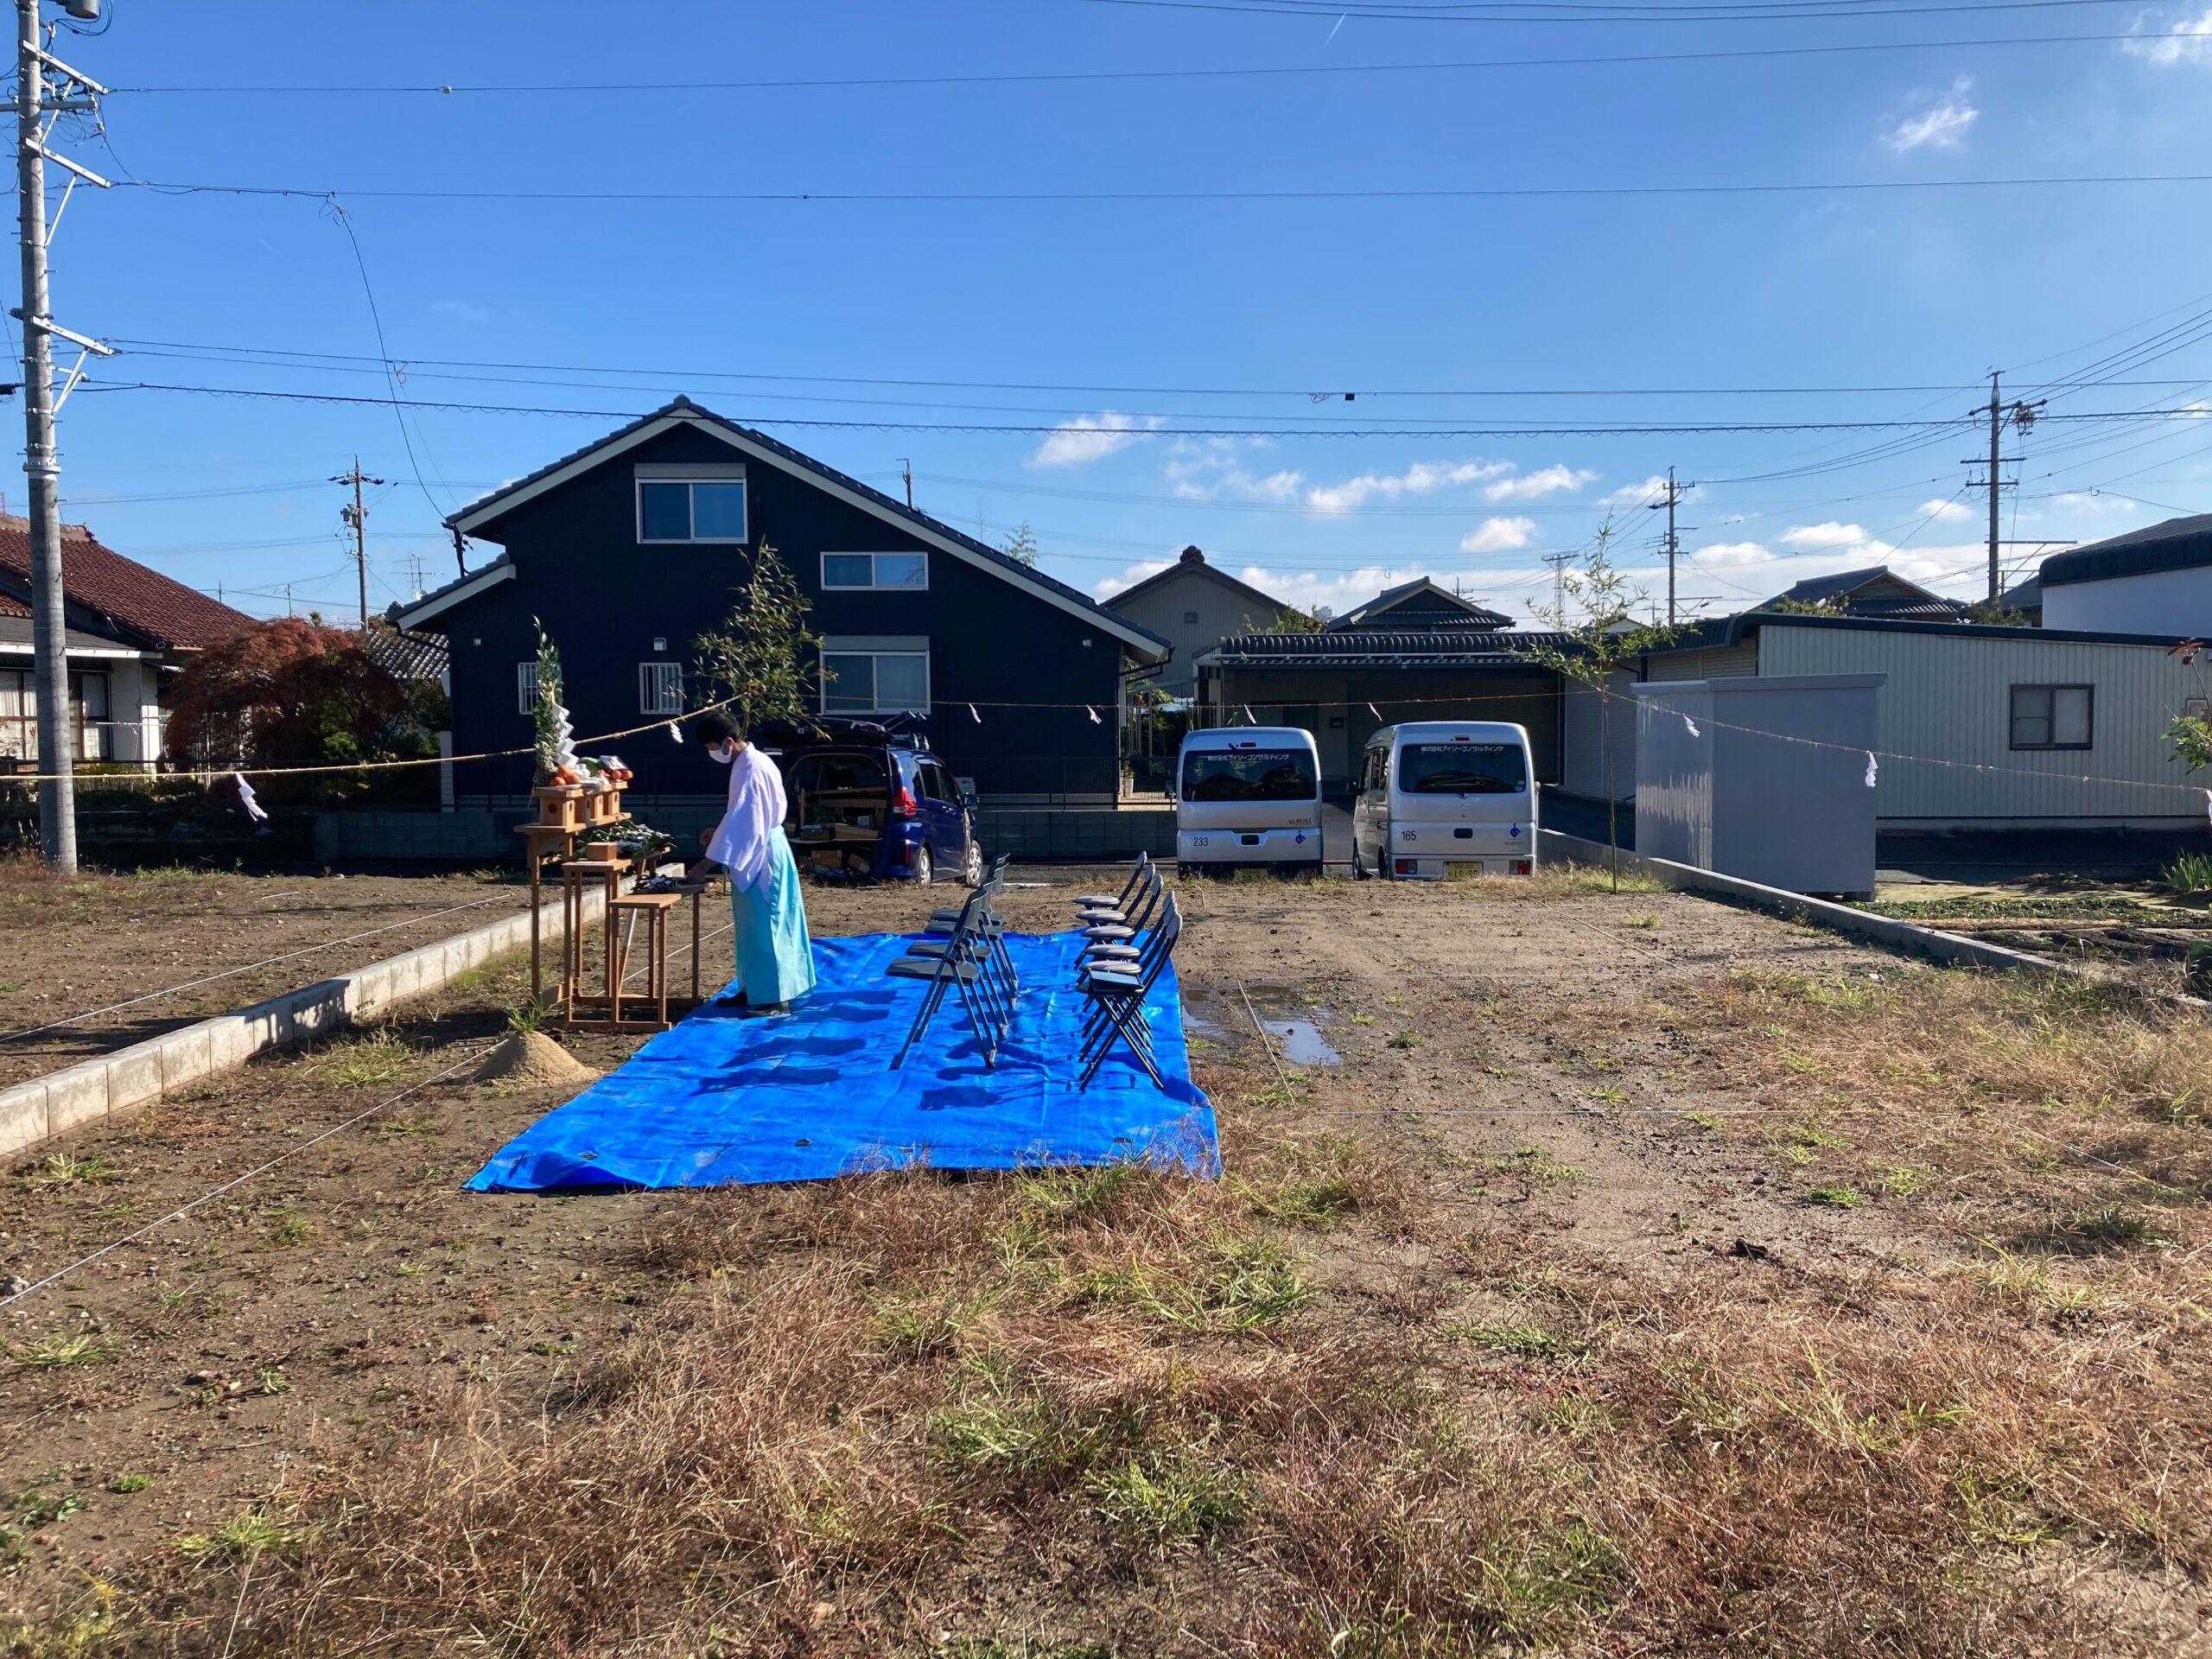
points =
(2053, 717)
(691, 504)
(879, 676)
(660, 688)
(526, 686)
(875, 572)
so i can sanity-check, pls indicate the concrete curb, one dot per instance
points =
(1954, 948)
(44, 1107)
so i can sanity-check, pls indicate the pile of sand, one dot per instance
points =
(531, 1061)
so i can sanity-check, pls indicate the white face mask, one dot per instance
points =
(723, 756)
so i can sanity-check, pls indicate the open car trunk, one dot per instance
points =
(839, 804)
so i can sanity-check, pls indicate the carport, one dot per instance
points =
(1344, 686)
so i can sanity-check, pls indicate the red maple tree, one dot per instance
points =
(291, 692)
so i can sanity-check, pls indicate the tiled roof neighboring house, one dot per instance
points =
(409, 655)
(1419, 606)
(167, 613)
(1191, 559)
(1876, 591)
(1428, 648)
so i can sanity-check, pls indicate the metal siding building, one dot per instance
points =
(1947, 703)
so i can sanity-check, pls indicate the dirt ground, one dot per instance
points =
(1615, 1273)
(76, 950)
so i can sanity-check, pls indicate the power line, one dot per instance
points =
(1568, 11)
(1032, 429)
(1064, 77)
(268, 354)
(1469, 192)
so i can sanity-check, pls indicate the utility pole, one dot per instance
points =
(1996, 443)
(2022, 415)
(906, 472)
(57, 801)
(1672, 500)
(356, 517)
(1559, 562)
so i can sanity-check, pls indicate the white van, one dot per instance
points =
(1440, 796)
(1248, 795)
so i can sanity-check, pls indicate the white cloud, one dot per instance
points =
(1085, 439)
(1945, 510)
(1422, 478)
(1212, 471)
(1751, 570)
(1732, 554)
(1106, 587)
(1530, 485)
(2187, 41)
(1815, 537)
(460, 310)
(1502, 590)
(1498, 535)
(1652, 488)
(1942, 127)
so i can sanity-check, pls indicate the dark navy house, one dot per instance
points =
(629, 548)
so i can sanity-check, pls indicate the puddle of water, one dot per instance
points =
(1195, 1022)
(1302, 1042)
(1223, 1019)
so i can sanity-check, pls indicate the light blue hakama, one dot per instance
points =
(775, 957)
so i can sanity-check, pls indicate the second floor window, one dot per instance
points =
(910, 571)
(690, 509)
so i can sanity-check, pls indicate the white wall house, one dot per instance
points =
(2156, 580)
(1990, 728)
(129, 629)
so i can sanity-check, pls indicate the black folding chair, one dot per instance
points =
(1117, 997)
(1091, 901)
(961, 962)
(1122, 927)
(991, 924)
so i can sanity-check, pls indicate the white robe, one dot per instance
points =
(741, 842)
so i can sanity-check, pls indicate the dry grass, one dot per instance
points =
(1308, 1412)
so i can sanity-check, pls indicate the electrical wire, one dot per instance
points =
(75, 1019)
(597, 89)
(1469, 192)
(1939, 429)
(236, 1181)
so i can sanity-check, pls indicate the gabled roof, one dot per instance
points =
(1876, 591)
(1417, 605)
(2025, 595)
(2176, 544)
(481, 519)
(1191, 566)
(1376, 648)
(164, 613)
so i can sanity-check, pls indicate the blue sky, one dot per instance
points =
(1200, 315)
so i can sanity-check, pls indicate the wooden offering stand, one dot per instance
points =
(603, 1010)
(564, 812)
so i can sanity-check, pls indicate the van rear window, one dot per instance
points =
(1462, 769)
(1249, 775)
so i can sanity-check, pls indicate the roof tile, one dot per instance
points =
(168, 613)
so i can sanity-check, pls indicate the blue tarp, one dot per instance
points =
(722, 1100)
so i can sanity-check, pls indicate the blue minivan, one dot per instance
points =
(878, 807)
